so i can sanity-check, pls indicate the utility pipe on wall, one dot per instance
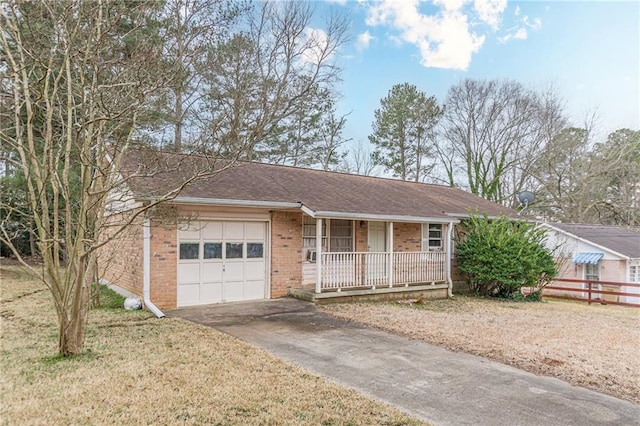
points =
(146, 269)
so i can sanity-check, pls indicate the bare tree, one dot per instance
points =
(78, 75)
(359, 160)
(491, 131)
(582, 182)
(189, 29)
(563, 174)
(331, 138)
(263, 76)
(619, 158)
(297, 140)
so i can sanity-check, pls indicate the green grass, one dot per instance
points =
(108, 299)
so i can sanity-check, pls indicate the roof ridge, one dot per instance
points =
(595, 225)
(337, 172)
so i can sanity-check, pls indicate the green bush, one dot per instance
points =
(501, 256)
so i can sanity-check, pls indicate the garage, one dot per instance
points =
(221, 261)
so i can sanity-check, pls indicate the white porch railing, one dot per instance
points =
(367, 269)
(419, 267)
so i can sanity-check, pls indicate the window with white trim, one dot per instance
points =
(592, 271)
(432, 237)
(309, 233)
(337, 232)
(634, 273)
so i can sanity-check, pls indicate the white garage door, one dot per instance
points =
(221, 261)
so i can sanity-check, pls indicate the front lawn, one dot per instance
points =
(141, 370)
(593, 346)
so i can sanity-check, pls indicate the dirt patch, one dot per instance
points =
(590, 346)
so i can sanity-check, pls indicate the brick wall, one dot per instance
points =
(164, 264)
(120, 260)
(362, 236)
(407, 237)
(286, 252)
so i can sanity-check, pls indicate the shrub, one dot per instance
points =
(501, 256)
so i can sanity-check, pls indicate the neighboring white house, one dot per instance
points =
(597, 253)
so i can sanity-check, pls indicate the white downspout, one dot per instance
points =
(146, 270)
(449, 258)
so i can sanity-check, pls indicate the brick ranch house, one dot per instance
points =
(260, 231)
(597, 253)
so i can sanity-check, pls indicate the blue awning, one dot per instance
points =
(582, 258)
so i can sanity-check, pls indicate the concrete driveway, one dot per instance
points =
(428, 382)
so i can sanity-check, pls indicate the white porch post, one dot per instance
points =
(390, 251)
(318, 255)
(449, 258)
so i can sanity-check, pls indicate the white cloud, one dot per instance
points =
(519, 34)
(451, 5)
(443, 39)
(490, 11)
(536, 24)
(340, 2)
(315, 42)
(517, 11)
(363, 40)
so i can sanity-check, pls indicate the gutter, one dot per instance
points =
(375, 217)
(467, 216)
(146, 270)
(236, 203)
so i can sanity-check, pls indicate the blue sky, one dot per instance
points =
(589, 51)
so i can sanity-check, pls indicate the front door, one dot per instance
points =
(377, 261)
(377, 237)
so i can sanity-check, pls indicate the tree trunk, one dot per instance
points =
(32, 239)
(177, 135)
(74, 314)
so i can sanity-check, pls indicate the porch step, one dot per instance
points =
(427, 291)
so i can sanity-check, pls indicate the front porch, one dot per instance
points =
(377, 276)
(382, 294)
(372, 270)
(390, 260)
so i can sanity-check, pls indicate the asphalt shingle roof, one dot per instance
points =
(622, 240)
(320, 191)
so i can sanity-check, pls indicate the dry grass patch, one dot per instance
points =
(591, 346)
(141, 370)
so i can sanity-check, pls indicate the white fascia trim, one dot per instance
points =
(236, 203)
(584, 240)
(379, 217)
(306, 210)
(467, 216)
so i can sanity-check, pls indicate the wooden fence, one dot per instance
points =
(603, 292)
